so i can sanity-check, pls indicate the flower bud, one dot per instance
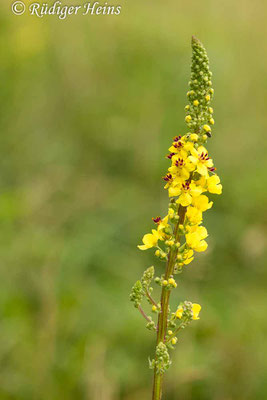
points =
(169, 243)
(206, 128)
(172, 282)
(211, 121)
(194, 137)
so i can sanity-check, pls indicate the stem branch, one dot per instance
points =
(150, 298)
(143, 313)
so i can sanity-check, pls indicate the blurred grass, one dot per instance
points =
(88, 107)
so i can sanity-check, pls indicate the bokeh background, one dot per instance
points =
(88, 107)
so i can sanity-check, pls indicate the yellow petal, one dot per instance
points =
(179, 312)
(209, 163)
(202, 232)
(202, 246)
(202, 169)
(213, 180)
(150, 239)
(196, 310)
(193, 214)
(193, 159)
(215, 189)
(185, 199)
(201, 150)
(195, 190)
(174, 191)
(143, 247)
(202, 202)
(188, 260)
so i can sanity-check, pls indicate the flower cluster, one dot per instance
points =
(162, 361)
(180, 234)
(191, 174)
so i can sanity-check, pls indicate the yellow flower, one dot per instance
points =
(202, 203)
(165, 282)
(154, 308)
(213, 184)
(207, 97)
(180, 146)
(196, 310)
(163, 223)
(150, 240)
(174, 340)
(170, 332)
(194, 215)
(201, 160)
(211, 110)
(179, 312)
(195, 238)
(181, 168)
(212, 122)
(186, 191)
(196, 103)
(188, 118)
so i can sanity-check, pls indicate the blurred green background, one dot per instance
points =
(88, 109)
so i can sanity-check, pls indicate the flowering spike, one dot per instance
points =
(180, 234)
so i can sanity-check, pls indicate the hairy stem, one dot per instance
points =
(143, 313)
(165, 297)
(152, 301)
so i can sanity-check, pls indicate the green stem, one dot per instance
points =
(165, 297)
(157, 386)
